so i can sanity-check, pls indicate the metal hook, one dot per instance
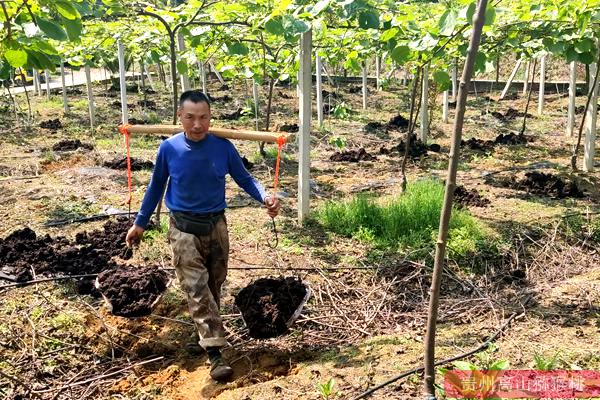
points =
(272, 246)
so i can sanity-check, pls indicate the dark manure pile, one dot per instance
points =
(469, 197)
(352, 156)
(132, 291)
(509, 139)
(70, 145)
(544, 184)
(267, 305)
(52, 124)
(24, 254)
(121, 164)
(417, 148)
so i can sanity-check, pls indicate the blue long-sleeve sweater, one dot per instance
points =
(197, 171)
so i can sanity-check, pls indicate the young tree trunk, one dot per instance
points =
(64, 87)
(497, 68)
(364, 86)
(440, 253)
(29, 113)
(526, 78)
(572, 98)
(412, 119)
(424, 132)
(173, 75)
(542, 86)
(255, 98)
(528, 98)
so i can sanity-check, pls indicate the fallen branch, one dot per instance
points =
(482, 347)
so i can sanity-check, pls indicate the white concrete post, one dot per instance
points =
(319, 67)
(510, 79)
(185, 79)
(572, 97)
(364, 85)
(255, 97)
(445, 107)
(424, 131)
(35, 82)
(91, 105)
(123, 84)
(304, 87)
(589, 147)
(47, 76)
(542, 86)
(219, 77)
(64, 87)
(202, 76)
(526, 79)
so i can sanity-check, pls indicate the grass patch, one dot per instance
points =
(406, 222)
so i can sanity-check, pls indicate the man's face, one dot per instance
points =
(195, 118)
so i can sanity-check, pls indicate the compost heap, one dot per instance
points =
(267, 304)
(132, 291)
(25, 254)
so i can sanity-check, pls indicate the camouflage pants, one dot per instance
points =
(200, 263)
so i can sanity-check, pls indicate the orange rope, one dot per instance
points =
(123, 129)
(280, 143)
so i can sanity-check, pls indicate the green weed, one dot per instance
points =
(326, 389)
(407, 221)
(546, 364)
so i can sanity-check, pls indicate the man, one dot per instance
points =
(196, 163)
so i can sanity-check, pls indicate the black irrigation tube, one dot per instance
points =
(481, 347)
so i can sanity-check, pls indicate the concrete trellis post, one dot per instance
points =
(123, 84)
(185, 79)
(47, 76)
(202, 75)
(589, 146)
(510, 79)
(304, 87)
(542, 86)
(319, 67)
(36, 82)
(424, 131)
(445, 107)
(219, 77)
(91, 105)
(378, 71)
(64, 87)
(572, 97)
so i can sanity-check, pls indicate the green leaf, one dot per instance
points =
(499, 365)
(237, 49)
(480, 62)
(401, 54)
(586, 58)
(182, 67)
(447, 22)
(51, 29)
(467, 12)
(39, 60)
(490, 15)
(46, 47)
(74, 28)
(464, 365)
(274, 26)
(16, 58)
(389, 34)
(5, 71)
(320, 6)
(155, 56)
(571, 55)
(442, 79)
(66, 9)
(584, 46)
(368, 19)
(83, 8)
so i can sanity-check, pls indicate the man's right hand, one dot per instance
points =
(134, 235)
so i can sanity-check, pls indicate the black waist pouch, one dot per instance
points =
(196, 224)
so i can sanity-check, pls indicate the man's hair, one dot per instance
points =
(195, 96)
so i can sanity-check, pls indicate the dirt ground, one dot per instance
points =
(364, 322)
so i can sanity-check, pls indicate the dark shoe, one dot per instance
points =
(219, 370)
(194, 349)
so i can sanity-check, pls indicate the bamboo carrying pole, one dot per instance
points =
(225, 133)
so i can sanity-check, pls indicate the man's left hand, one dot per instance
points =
(273, 206)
